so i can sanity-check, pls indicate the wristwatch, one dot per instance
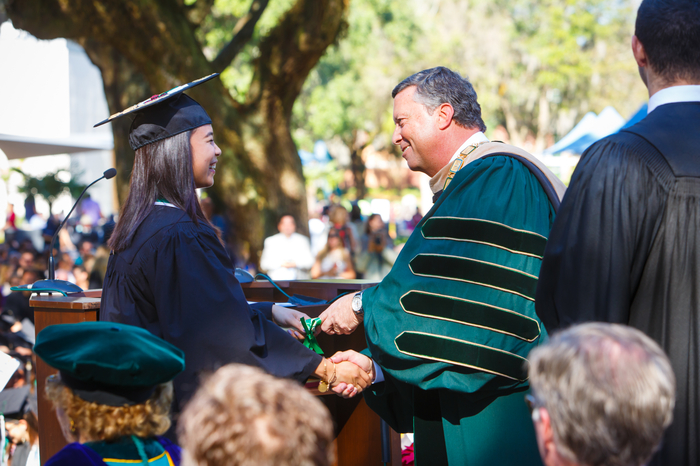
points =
(357, 304)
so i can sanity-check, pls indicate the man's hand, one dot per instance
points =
(286, 317)
(361, 361)
(339, 317)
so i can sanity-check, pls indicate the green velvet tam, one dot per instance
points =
(107, 362)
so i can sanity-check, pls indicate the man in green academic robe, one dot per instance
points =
(450, 327)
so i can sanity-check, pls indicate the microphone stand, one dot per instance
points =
(53, 285)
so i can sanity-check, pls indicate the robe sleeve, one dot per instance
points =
(442, 317)
(601, 238)
(202, 310)
(264, 307)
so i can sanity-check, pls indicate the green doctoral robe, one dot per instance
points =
(452, 324)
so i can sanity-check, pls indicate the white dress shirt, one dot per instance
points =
(279, 249)
(672, 95)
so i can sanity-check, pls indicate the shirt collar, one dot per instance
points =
(475, 138)
(438, 181)
(674, 94)
(165, 203)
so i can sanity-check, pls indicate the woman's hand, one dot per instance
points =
(287, 317)
(345, 374)
(351, 375)
(360, 360)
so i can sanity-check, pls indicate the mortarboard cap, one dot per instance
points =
(14, 402)
(109, 363)
(164, 115)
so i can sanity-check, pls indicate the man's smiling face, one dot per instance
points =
(416, 132)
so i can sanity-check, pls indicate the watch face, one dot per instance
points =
(357, 302)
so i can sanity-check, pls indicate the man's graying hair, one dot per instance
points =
(609, 391)
(440, 85)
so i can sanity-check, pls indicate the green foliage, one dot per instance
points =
(537, 66)
(50, 186)
(347, 91)
(217, 30)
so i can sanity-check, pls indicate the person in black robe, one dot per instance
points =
(168, 271)
(625, 246)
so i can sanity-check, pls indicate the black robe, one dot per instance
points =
(176, 281)
(625, 248)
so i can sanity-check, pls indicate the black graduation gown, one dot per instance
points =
(176, 281)
(625, 248)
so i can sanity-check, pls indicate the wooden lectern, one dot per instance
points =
(358, 428)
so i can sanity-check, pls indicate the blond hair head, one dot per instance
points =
(242, 416)
(94, 421)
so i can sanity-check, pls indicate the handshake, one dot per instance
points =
(354, 371)
(346, 373)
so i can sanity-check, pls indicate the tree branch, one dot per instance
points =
(293, 48)
(242, 33)
(198, 11)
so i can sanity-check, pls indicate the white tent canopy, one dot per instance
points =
(590, 129)
(20, 147)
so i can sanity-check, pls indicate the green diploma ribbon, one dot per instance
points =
(310, 339)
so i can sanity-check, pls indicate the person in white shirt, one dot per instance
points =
(287, 255)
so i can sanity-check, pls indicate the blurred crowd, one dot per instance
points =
(342, 245)
(81, 256)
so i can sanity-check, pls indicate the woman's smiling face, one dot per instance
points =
(205, 154)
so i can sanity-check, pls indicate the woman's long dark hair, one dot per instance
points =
(162, 169)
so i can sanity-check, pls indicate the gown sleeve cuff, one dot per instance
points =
(265, 308)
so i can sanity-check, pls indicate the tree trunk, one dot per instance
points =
(360, 139)
(144, 48)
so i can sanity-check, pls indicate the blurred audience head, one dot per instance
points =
(86, 248)
(374, 223)
(601, 394)
(338, 215)
(335, 240)
(30, 276)
(242, 416)
(82, 277)
(287, 225)
(26, 260)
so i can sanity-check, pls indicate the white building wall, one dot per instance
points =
(50, 89)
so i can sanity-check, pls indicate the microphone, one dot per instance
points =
(61, 286)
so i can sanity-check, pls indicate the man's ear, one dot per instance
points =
(640, 55)
(444, 114)
(548, 448)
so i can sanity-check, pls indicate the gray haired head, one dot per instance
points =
(440, 85)
(609, 391)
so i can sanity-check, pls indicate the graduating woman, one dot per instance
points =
(168, 272)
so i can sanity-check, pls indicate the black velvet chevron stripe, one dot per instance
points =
(462, 353)
(470, 313)
(481, 231)
(480, 273)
